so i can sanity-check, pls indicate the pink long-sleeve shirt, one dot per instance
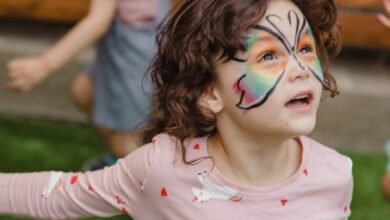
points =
(154, 183)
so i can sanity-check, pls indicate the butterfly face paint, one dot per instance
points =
(271, 45)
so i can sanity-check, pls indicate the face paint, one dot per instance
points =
(259, 78)
(313, 62)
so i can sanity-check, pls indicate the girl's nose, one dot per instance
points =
(296, 70)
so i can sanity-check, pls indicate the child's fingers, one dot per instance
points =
(384, 20)
(13, 65)
(17, 69)
(14, 73)
(17, 85)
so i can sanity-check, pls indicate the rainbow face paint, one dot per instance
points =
(271, 46)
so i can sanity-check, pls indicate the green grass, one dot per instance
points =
(368, 203)
(30, 145)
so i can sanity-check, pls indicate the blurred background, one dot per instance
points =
(43, 130)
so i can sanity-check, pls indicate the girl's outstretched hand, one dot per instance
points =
(25, 73)
(385, 19)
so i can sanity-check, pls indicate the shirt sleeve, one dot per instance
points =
(58, 195)
(347, 199)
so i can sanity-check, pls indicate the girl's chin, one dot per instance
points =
(302, 128)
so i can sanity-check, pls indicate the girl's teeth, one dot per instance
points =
(301, 97)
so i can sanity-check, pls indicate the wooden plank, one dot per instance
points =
(49, 10)
(362, 4)
(359, 28)
(363, 30)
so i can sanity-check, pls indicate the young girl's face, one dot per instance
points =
(275, 86)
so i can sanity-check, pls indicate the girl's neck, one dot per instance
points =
(255, 162)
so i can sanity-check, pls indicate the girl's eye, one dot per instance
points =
(268, 57)
(305, 50)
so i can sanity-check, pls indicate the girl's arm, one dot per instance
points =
(25, 73)
(55, 195)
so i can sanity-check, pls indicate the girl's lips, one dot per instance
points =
(300, 107)
(302, 102)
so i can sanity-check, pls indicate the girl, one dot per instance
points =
(237, 85)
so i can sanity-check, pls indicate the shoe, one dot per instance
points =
(99, 163)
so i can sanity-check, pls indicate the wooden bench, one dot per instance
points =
(357, 17)
(360, 28)
(46, 10)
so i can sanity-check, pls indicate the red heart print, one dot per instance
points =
(123, 210)
(73, 180)
(306, 172)
(196, 147)
(284, 202)
(164, 192)
(119, 200)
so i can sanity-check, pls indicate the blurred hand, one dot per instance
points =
(26, 73)
(137, 13)
(385, 19)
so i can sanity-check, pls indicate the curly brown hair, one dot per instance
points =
(197, 34)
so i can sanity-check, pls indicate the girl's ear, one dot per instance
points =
(211, 100)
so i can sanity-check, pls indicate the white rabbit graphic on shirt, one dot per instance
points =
(211, 191)
(54, 181)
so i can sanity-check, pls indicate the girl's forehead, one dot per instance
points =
(284, 11)
(281, 7)
(284, 21)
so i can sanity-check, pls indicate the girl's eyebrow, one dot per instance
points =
(307, 33)
(271, 32)
(264, 39)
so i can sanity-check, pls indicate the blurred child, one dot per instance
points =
(237, 86)
(385, 183)
(110, 91)
(384, 18)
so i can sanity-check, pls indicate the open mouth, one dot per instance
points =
(300, 100)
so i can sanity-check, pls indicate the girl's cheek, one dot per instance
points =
(318, 69)
(308, 59)
(271, 69)
(314, 63)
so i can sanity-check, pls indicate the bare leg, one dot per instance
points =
(118, 143)
(82, 93)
